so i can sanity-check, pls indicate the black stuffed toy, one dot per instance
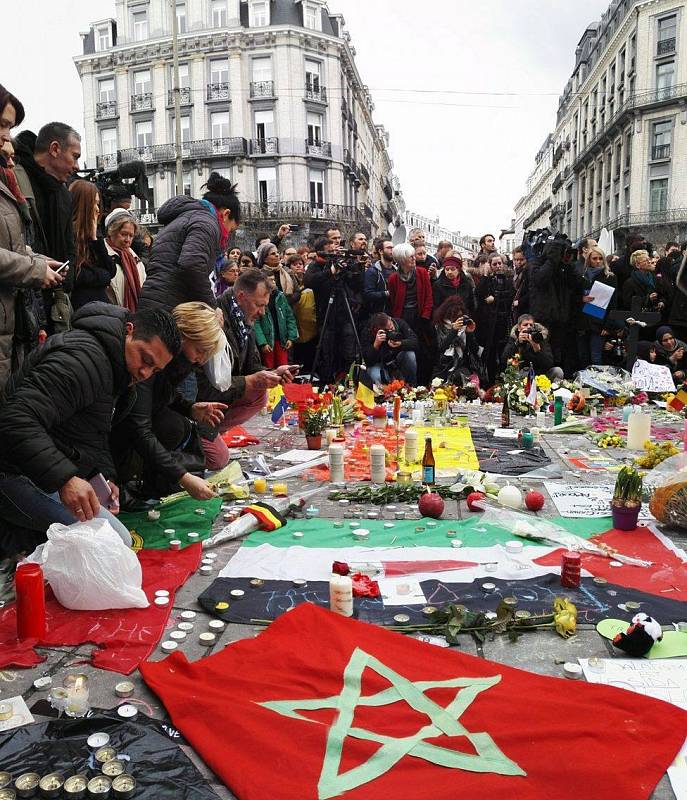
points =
(640, 637)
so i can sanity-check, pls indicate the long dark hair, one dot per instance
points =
(452, 308)
(222, 194)
(7, 97)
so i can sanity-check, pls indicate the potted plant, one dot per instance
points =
(379, 417)
(314, 422)
(627, 499)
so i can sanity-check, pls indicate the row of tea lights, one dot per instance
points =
(206, 638)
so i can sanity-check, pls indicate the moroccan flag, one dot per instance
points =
(364, 393)
(679, 401)
(321, 706)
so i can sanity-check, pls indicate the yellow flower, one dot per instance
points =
(543, 383)
(565, 617)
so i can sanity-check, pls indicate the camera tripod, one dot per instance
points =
(337, 290)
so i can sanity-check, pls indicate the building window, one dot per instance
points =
(186, 180)
(312, 17)
(312, 76)
(264, 125)
(267, 185)
(143, 133)
(184, 76)
(219, 70)
(258, 14)
(316, 181)
(658, 195)
(108, 141)
(181, 17)
(106, 91)
(314, 128)
(140, 25)
(219, 125)
(142, 82)
(261, 69)
(103, 38)
(667, 32)
(661, 139)
(219, 13)
(185, 129)
(665, 78)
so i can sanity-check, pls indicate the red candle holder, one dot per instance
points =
(30, 589)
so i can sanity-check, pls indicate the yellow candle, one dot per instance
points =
(280, 489)
(260, 485)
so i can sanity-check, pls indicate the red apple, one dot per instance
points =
(473, 498)
(431, 504)
(534, 501)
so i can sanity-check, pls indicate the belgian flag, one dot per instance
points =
(363, 392)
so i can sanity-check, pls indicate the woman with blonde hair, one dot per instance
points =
(125, 287)
(94, 268)
(167, 433)
(593, 329)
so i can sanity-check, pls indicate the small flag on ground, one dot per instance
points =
(531, 387)
(679, 401)
(280, 408)
(363, 393)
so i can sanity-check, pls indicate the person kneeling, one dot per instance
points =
(529, 341)
(389, 346)
(57, 416)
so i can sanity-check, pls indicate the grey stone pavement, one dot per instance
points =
(542, 652)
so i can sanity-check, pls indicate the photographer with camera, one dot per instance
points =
(335, 277)
(528, 340)
(459, 362)
(389, 349)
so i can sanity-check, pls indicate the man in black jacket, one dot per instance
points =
(529, 341)
(58, 411)
(389, 349)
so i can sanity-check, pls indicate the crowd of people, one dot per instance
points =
(123, 357)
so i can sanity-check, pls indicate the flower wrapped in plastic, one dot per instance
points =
(669, 499)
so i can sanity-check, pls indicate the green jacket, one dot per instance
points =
(286, 323)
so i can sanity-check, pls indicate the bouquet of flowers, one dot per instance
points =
(398, 388)
(513, 385)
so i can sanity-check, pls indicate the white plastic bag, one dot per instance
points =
(219, 367)
(90, 568)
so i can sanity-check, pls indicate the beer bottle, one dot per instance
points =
(428, 464)
(505, 413)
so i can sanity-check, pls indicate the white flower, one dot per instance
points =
(436, 383)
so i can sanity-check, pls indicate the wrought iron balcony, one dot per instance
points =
(672, 215)
(142, 102)
(316, 148)
(217, 91)
(148, 217)
(264, 147)
(184, 96)
(350, 162)
(301, 211)
(108, 161)
(316, 93)
(660, 151)
(665, 47)
(387, 188)
(365, 174)
(200, 148)
(261, 89)
(106, 110)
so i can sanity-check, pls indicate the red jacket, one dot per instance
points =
(397, 294)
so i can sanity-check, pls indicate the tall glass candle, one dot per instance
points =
(30, 590)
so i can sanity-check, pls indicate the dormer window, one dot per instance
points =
(312, 17)
(103, 37)
(259, 14)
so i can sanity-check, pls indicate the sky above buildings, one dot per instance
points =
(467, 89)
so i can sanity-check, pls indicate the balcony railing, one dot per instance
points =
(264, 147)
(315, 148)
(148, 217)
(106, 110)
(672, 215)
(367, 211)
(316, 93)
(184, 96)
(200, 148)
(660, 151)
(301, 211)
(365, 174)
(654, 97)
(350, 162)
(665, 47)
(217, 91)
(108, 161)
(142, 102)
(261, 89)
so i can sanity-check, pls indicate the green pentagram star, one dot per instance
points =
(488, 757)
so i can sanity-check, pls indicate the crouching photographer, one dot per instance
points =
(529, 342)
(389, 346)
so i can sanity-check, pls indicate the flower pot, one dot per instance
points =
(314, 442)
(379, 422)
(624, 518)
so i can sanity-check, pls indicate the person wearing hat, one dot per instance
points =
(125, 288)
(453, 281)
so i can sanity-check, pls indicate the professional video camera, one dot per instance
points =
(344, 260)
(543, 242)
(131, 176)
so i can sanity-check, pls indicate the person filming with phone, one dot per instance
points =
(389, 348)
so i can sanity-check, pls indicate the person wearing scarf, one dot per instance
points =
(672, 352)
(125, 287)
(454, 282)
(268, 259)
(591, 330)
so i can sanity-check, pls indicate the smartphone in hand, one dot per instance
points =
(102, 490)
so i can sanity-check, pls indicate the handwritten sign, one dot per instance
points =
(652, 377)
(583, 501)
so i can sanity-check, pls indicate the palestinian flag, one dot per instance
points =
(320, 706)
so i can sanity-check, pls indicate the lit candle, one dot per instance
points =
(260, 485)
(341, 595)
(280, 489)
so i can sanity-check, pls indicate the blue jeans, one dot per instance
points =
(24, 505)
(406, 363)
